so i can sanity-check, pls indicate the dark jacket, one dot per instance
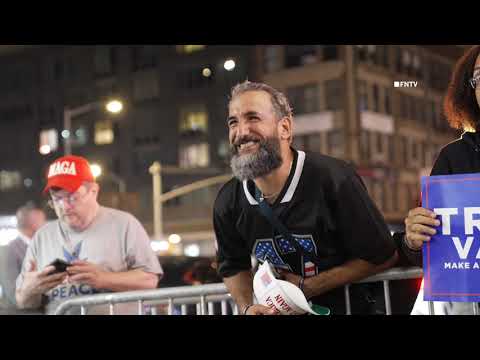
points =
(459, 157)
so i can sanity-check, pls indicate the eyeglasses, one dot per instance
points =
(71, 199)
(475, 82)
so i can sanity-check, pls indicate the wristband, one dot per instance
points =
(301, 283)
(246, 309)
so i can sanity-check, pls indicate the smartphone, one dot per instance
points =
(60, 266)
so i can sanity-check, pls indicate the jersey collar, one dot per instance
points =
(293, 183)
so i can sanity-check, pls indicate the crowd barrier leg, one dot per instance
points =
(475, 308)
(388, 304)
(431, 309)
(170, 306)
(224, 307)
(348, 306)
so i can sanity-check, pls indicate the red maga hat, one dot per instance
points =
(68, 173)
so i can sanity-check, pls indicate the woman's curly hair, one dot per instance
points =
(460, 104)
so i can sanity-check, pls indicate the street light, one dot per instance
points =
(229, 65)
(113, 106)
(96, 170)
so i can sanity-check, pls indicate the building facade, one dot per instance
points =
(376, 106)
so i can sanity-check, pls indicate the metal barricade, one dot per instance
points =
(204, 297)
(180, 296)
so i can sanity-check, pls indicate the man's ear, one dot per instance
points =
(95, 188)
(286, 128)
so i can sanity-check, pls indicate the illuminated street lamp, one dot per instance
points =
(229, 65)
(113, 106)
(96, 170)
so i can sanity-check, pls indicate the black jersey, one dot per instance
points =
(324, 205)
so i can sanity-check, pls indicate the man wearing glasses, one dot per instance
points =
(108, 250)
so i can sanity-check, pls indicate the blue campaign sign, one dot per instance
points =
(451, 260)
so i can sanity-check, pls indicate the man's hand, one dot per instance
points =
(39, 282)
(87, 273)
(260, 310)
(419, 227)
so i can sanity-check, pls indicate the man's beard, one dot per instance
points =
(251, 166)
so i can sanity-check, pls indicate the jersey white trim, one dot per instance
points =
(296, 178)
(293, 184)
(250, 198)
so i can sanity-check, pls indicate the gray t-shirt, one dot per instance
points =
(11, 261)
(115, 240)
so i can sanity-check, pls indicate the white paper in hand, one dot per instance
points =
(283, 296)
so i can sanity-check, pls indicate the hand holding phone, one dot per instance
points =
(60, 266)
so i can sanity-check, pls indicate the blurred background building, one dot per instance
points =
(175, 109)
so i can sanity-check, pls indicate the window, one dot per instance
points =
(104, 133)
(362, 95)
(144, 57)
(304, 99)
(300, 55)
(193, 121)
(391, 148)
(404, 112)
(48, 141)
(417, 65)
(372, 52)
(145, 86)
(272, 60)
(382, 56)
(413, 108)
(404, 144)
(406, 61)
(421, 110)
(365, 145)
(387, 99)
(10, 180)
(376, 98)
(415, 149)
(334, 93)
(188, 49)
(194, 155)
(105, 60)
(378, 142)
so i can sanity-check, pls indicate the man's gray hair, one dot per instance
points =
(280, 103)
(22, 215)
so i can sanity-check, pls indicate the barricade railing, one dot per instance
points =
(205, 297)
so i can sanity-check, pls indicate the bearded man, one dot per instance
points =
(330, 233)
